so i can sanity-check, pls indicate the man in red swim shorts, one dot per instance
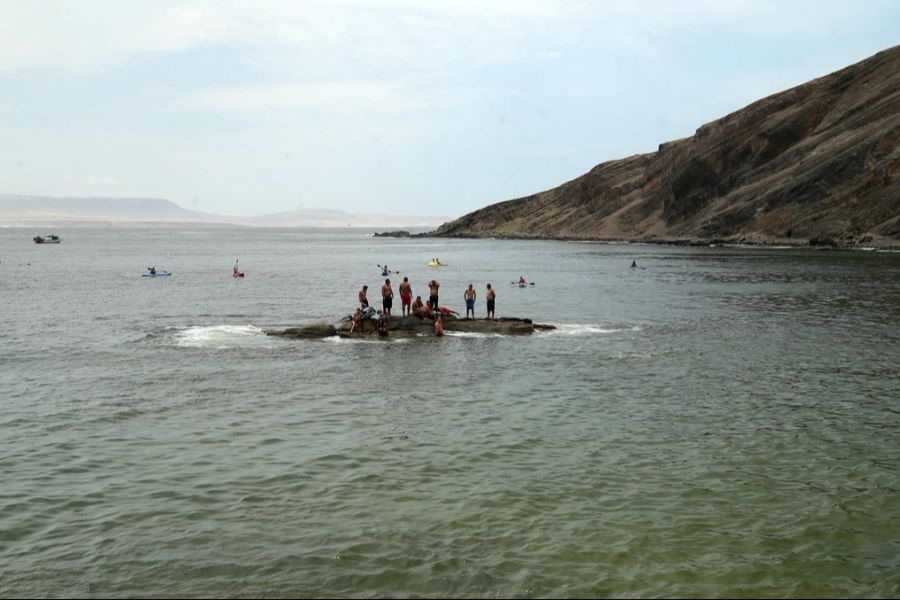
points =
(406, 297)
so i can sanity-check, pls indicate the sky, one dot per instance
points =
(405, 107)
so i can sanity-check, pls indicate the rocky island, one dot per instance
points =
(414, 326)
(817, 164)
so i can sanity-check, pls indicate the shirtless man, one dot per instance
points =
(469, 297)
(405, 297)
(387, 297)
(381, 326)
(438, 326)
(417, 306)
(433, 287)
(363, 301)
(490, 302)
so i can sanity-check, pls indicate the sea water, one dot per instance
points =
(717, 422)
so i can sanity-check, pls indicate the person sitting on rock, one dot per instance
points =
(355, 321)
(381, 326)
(417, 306)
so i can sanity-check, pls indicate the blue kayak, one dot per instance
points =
(157, 274)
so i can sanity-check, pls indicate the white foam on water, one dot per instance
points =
(334, 339)
(576, 329)
(216, 336)
(472, 334)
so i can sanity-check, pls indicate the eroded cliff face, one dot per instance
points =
(817, 163)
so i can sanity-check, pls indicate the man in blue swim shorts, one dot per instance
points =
(469, 296)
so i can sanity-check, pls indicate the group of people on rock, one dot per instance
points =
(424, 310)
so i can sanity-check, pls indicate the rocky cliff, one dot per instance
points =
(818, 163)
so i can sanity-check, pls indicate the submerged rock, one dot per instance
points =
(313, 330)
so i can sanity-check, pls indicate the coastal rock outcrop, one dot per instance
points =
(820, 161)
(413, 326)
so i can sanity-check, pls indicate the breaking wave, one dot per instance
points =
(216, 336)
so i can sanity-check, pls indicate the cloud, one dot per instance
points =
(281, 36)
(353, 96)
(94, 181)
(91, 34)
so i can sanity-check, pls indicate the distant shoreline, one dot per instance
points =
(849, 243)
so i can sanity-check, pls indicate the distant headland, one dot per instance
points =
(29, 210)
(817, 164)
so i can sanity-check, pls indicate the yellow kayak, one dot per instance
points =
(436, 263)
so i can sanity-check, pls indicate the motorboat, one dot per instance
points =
(49, 239)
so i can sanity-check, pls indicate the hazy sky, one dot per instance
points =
(394, 106)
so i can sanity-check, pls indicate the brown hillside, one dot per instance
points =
(819, 162)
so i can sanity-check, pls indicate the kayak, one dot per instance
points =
(157, 274)
(237, 274)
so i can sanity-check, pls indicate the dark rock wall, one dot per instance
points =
(820, 159)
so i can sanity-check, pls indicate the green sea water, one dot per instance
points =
(718, 422)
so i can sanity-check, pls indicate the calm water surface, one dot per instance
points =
(721, 422)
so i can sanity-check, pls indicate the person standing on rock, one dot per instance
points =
(387, 297)
(405, 297)
(433, 287)
(469, 297)
(490, 302)
(363, 301)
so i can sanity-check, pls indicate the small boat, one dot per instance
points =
(50, 239)
(237, 274)
(156, 274)
(434, 262)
